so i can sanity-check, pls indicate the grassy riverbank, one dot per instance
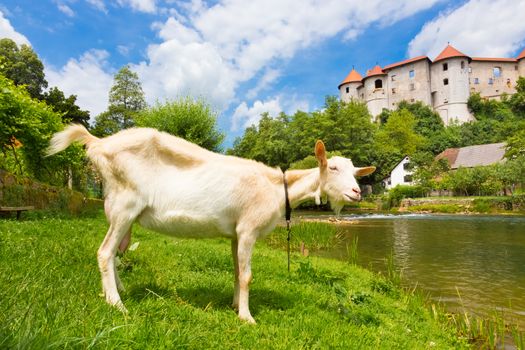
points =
(179, 294)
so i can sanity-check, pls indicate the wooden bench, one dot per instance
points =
(18, 210)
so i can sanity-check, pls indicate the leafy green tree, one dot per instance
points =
(26, 126)
(516, 145)
(126, 91)
(398, 133)
(517, 101)
(22, 66)
(343, 126)
(193, 120)
(126, 100)
(71, 113)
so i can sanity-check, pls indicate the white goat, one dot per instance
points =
(178, 188)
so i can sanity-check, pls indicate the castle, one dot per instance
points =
(445, 83)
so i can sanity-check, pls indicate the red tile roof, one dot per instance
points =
(352, 77)
(492, 59)
(521, 55)
(449, 52)
(450, 154)
(410, 60)
(374, 71)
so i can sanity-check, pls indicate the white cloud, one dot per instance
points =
(7, 31)
(147, 6)
(493, 28)
(266, 80)
(195, 69)
(98, 4)
(86, 78)
(66, 10)
(245, 116)
(123, 49)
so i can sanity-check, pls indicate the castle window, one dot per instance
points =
(411, 74)
(393, 90)
(407, 178)
(462, 64)
(378, 84)
(445, 81)
(445, 66)
(393, 77)
(476, 80)
(497, 72)
(491, 81)
(412, 87)
(347, 89)
(515, 67)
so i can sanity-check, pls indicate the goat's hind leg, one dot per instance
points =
(236, 287)
(123, 246)
(106, 260)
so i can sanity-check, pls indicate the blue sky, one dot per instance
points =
(248, 57)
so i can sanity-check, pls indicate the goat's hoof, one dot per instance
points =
(120, 306)
(248, 319)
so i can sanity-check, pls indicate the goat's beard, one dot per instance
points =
(337, 207)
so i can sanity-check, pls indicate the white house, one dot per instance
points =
(400, 175)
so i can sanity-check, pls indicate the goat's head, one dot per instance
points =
(337, 178)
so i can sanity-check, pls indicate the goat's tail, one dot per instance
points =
(74, 132)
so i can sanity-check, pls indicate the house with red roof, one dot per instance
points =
(444, 83)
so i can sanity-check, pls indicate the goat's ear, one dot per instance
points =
(320, 154)
(367, 170)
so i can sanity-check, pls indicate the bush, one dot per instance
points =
(400, 192)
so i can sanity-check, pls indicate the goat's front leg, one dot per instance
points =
(244, 256)
(235, 303)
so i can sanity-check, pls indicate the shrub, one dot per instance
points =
(400, 192)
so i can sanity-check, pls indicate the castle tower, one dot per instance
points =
(521, 63)
(348, 87)
(375, 93)
(450, 85)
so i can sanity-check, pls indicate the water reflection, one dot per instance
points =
(476, 262)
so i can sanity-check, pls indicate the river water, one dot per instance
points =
(474, 263)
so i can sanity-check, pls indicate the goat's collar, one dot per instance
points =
(288, 207)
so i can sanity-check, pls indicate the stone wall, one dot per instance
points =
(16, 191)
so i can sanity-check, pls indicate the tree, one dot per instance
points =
(398, 133)
(193, 120)
(71, 113)
(516, 145)
(126, 91)
(343, 126)
(126, 99)
(517, 101)
(22, 66)
(26, 126)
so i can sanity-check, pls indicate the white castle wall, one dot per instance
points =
(376, 98)
(349, 92)
(450, 89)
(484, 81)
(401, 86)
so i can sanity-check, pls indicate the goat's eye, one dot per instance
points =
(333, 167)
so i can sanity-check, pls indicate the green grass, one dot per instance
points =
(179, 294)
(438, 208)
